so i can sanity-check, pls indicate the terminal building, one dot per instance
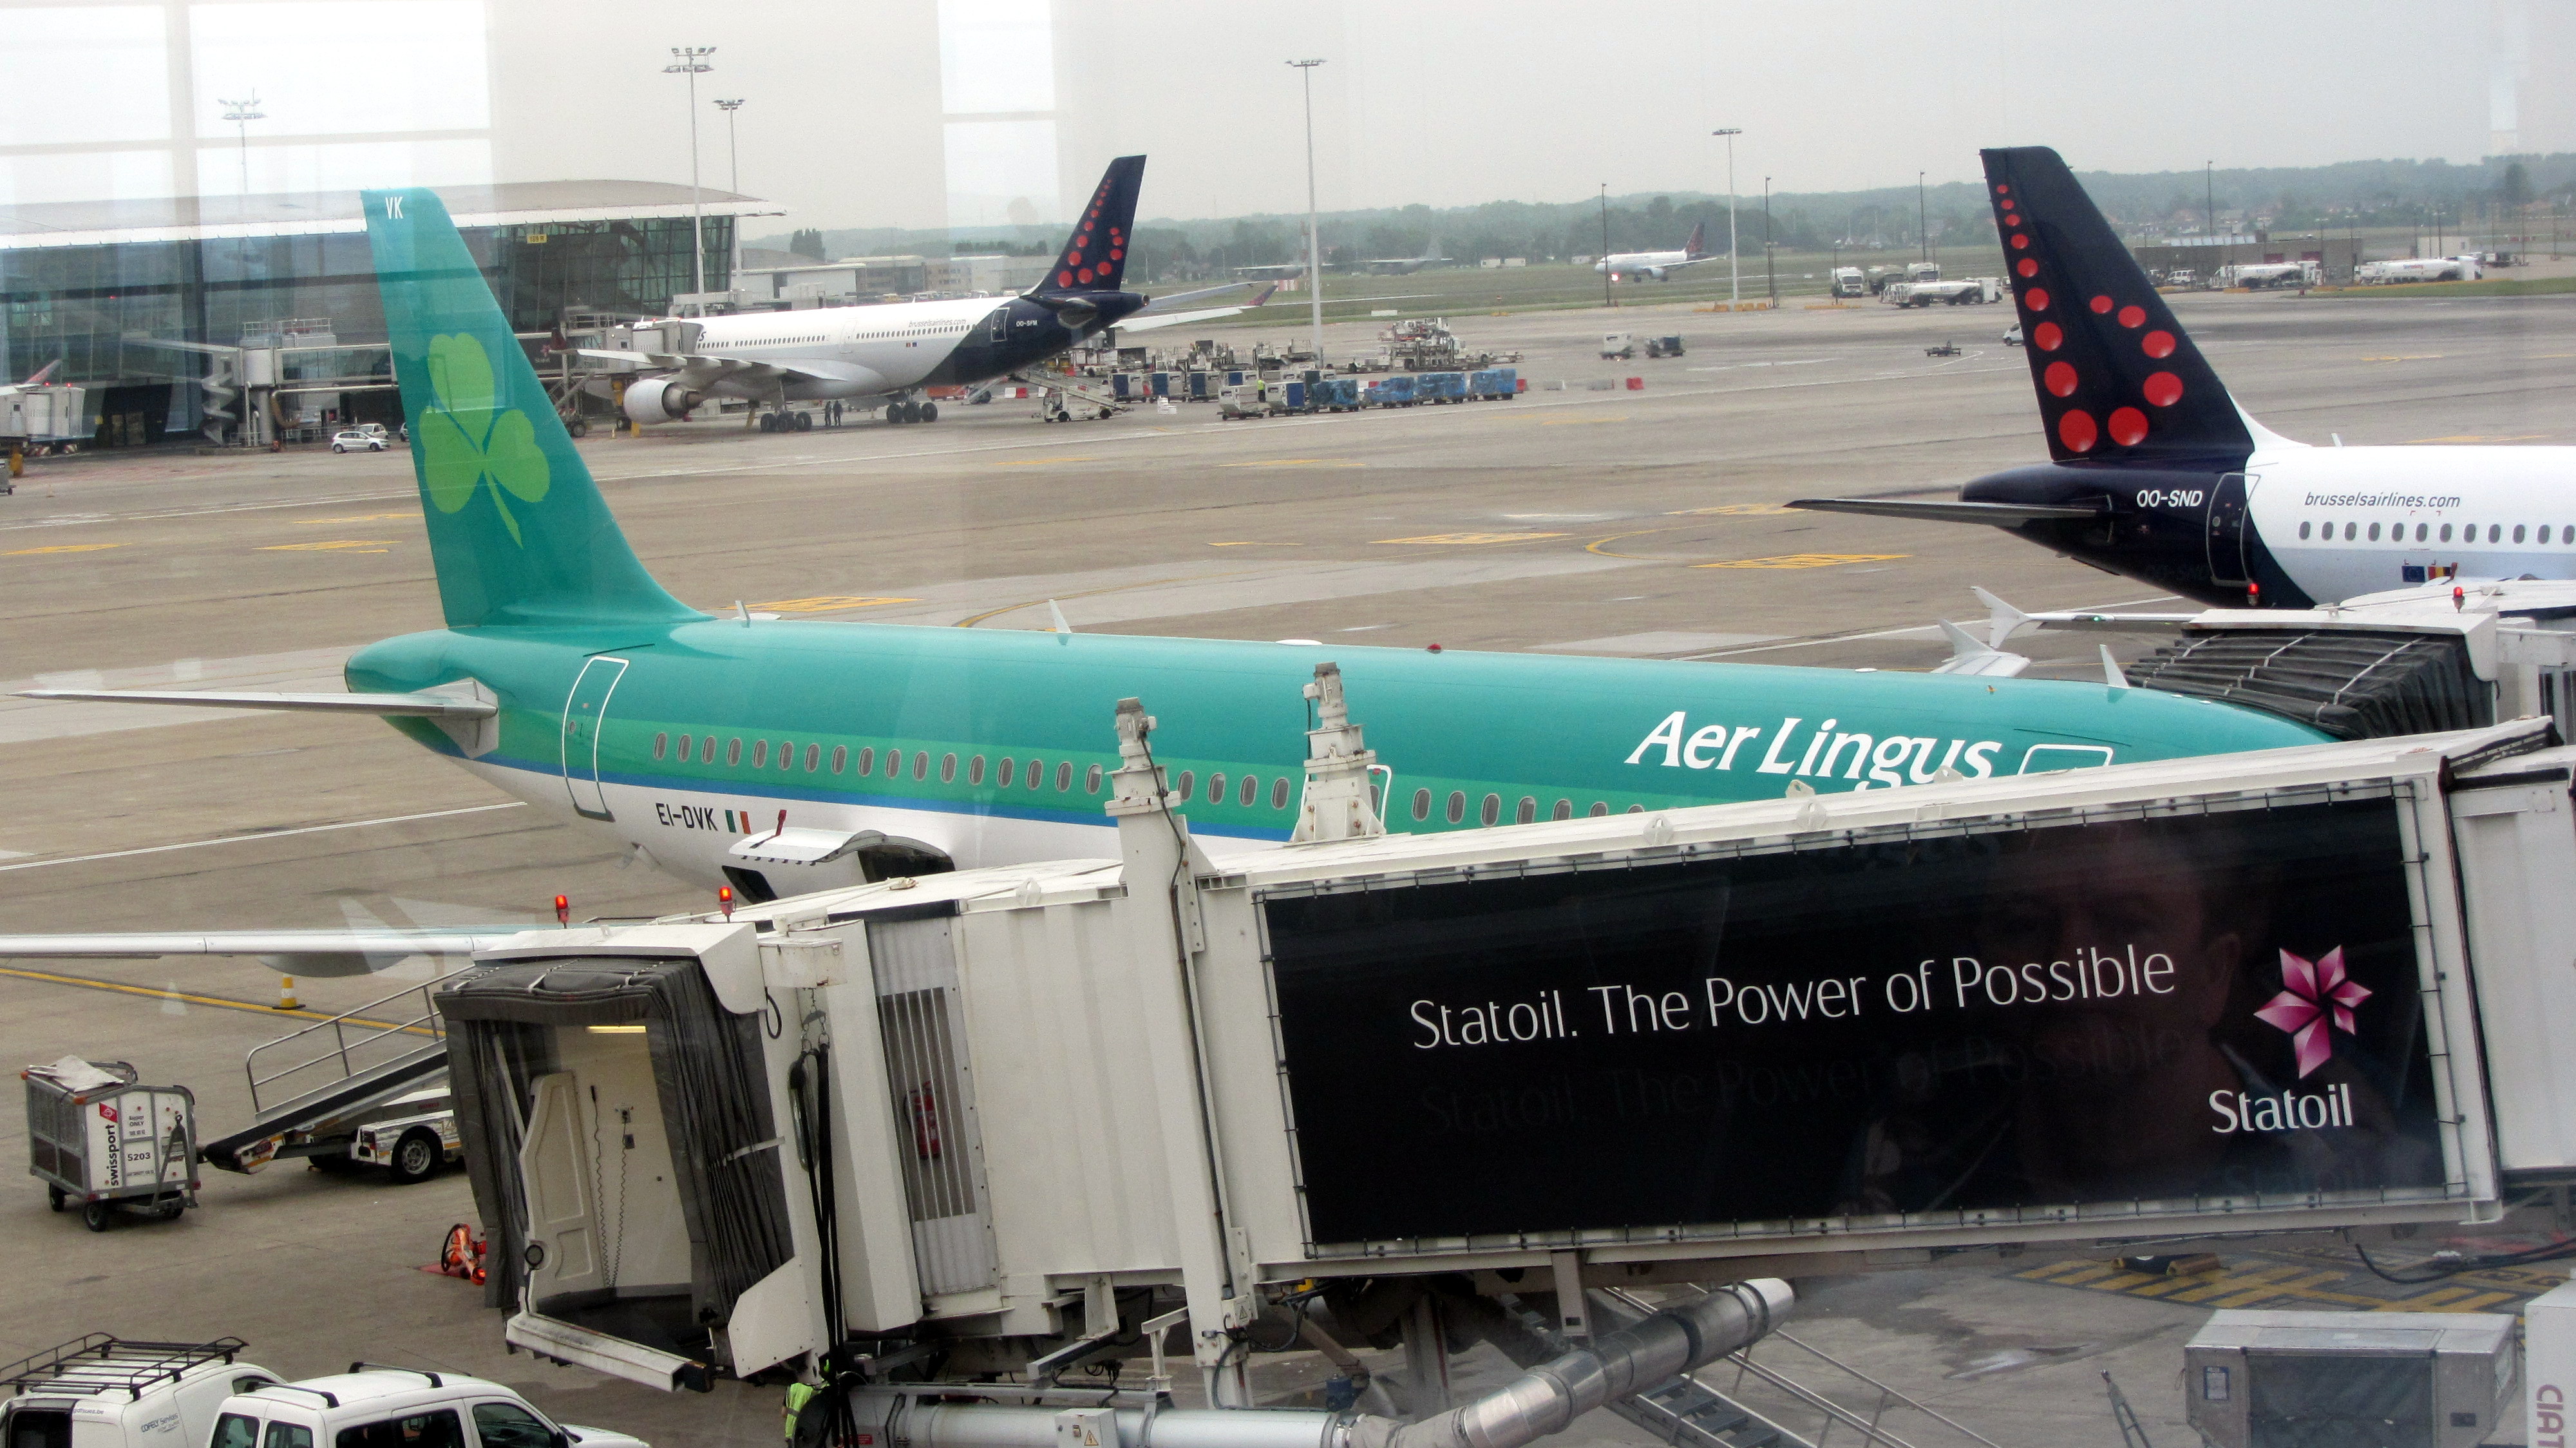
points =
(168, 309)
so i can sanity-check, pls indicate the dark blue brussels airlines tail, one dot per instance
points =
(1094, 258)
(2118, 380)
(2148, 453)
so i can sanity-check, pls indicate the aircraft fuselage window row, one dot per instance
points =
(1490, 811)
(2425, 533)
(1246, 789)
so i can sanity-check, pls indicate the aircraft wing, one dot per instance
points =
(1174, 319)
(2000, 515)
(295, 952)
(698, 372)
(1173, 299)
(417, 706)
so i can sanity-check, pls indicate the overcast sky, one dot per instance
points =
(918, 113)
(1452, 103)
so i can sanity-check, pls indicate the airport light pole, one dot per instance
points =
(1734, 289)
(1770, 274)
(690, 60)
(241, 114)
(733, 156)
(1922, 218)
(1314, 233)
(1605, 246)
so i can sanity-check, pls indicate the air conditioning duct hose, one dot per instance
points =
(1549, 1397)
(1544, 1400)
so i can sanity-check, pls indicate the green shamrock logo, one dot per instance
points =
(467, 442)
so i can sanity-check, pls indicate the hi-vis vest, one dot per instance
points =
(798, 1395)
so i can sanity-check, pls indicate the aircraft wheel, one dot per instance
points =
(930, 412)
(804, 422)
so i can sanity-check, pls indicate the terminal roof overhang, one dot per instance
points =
(321, 213)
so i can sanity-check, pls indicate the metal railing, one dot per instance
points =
(355, 1042)
(1878, 1399)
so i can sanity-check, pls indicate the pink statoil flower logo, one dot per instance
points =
(2319, 993)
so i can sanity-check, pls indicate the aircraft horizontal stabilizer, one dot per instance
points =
(1969, 655)
(1999, 515)
(414, 706)
(296, 952)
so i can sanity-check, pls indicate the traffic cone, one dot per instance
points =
(286, 1000)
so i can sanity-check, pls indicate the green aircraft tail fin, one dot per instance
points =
(517, 528)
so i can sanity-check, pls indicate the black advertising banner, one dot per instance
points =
(2221, 1005)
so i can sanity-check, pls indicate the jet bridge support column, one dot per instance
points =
(1164, 937)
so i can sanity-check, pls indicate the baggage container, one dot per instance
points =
(1440, 387)
(101, 1141)
(1393, 390)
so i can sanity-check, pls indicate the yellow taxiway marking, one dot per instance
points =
(62, 548)
(1446, 538)
(829, 603)
(413, 516)
(2477, 437)
(1295, 463)
(336, 545)
(1733, 510)
(1806, 560)
(226, 1002)
(1038, 462)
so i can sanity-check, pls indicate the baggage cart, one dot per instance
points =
(102, 1141)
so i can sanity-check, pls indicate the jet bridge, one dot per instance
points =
(1004, 1124)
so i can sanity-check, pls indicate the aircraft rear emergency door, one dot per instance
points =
(584, 712)
(2227, 528)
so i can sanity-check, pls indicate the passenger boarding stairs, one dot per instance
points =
(1072, 387)
(1761, 1406)
(312, 1086)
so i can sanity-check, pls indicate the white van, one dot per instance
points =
(103, 1392)
(371, 1406)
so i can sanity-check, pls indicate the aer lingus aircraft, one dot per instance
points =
(2156, 473)
(777, 756)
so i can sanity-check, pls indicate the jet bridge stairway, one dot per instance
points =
(310, 1087)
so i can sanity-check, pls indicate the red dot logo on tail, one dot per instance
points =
(2162, 389)
(2158, 344)
(2128, 427)
(2060, 379)
(2078, 431)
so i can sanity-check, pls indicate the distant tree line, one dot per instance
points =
(2144, 205)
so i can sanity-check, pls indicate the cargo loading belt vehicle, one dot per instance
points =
(1020, 1119)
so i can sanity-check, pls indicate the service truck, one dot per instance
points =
(1848, 282)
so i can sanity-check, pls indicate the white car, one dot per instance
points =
(371, 1406)
(2013, 337)
(363, 441)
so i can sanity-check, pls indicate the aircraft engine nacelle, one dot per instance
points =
(658, 399)
(1652, 273)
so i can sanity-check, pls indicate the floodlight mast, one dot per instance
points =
(1314, 236)
(241, 114)
(690, 60)
(733, 155)
(1734, 284)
